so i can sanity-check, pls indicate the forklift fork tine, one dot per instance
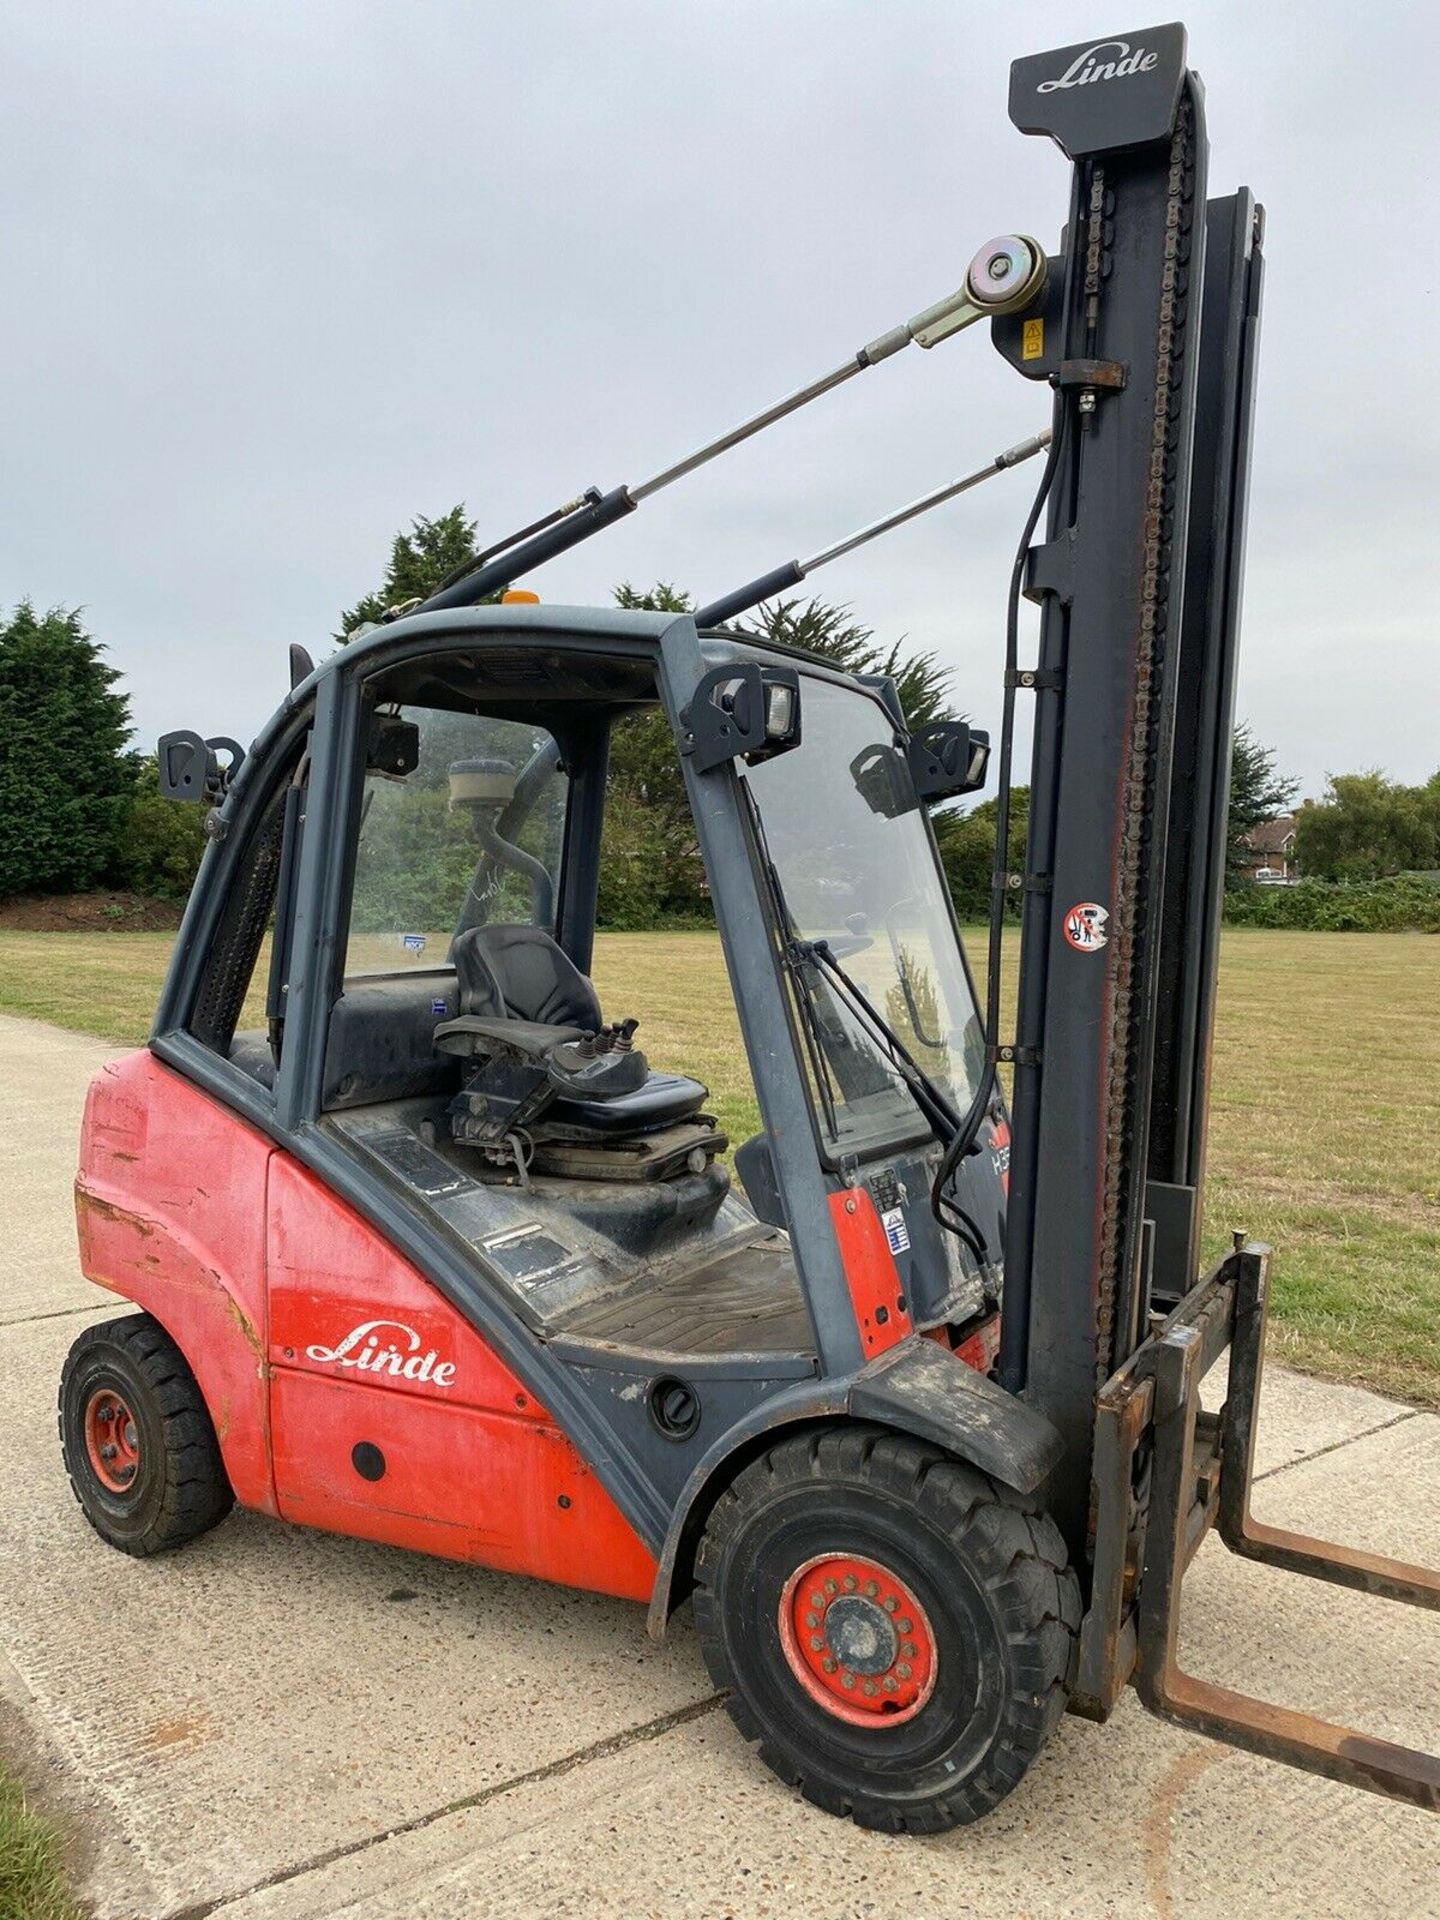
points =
(1176, 1524)
(1276, 1546)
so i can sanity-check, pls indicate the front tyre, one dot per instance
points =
(894, 1628)
(138, 1441)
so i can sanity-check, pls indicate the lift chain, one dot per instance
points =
(1131, 912)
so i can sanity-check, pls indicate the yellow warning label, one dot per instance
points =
(1032, 340)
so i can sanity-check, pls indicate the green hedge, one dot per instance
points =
(1405, 903)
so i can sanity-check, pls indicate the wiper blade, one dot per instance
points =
(933, 1103)
(784, 919)
(938, 1110)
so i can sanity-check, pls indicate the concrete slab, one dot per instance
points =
(45, 1073)
(1160, 1830)
(268, 1693)
(1300, 1417)
(1133, 1818)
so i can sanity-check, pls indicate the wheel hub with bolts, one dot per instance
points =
(112, 1440)
(857, 1640)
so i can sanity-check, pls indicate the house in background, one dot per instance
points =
(1270, 852)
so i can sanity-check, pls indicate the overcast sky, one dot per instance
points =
(279, 277)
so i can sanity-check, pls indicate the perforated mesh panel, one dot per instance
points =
(236, 945)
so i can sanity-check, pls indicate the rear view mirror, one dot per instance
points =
(882, 782)
(948, 758)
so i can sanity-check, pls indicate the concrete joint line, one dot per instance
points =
(553, 1770)
(1411, 1413)
(62, 1313)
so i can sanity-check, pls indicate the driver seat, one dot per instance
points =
(517, 974)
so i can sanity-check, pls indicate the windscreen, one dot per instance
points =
(471, 836)
(839, 819)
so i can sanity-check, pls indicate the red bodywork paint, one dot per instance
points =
(261, 1275)
(876, 1294)
(978, 1350)
(170, 1207)
(1000, 1153)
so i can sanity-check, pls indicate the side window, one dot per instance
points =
(472, 836)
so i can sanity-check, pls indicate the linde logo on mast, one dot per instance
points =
(367, 1351)
(1089, 67)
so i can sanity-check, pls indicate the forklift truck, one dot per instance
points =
(430, 1253)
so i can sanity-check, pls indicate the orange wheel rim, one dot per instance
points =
(857, 1640)
(112, 1440)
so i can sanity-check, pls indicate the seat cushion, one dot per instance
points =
(472, 1034)
(664, 1099)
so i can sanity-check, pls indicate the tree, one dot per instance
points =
(419, 561)
(646, 809)
(1367, 827)
(643, 762)
(160, 840)
(658, 873)
(817, 627)
(1257, 793)
(966, 842)
(64, 779)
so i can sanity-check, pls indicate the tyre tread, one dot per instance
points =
(197, 1493)
(1022, 1563)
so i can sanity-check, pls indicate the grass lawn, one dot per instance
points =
(1325, 1131)
(31, 1882)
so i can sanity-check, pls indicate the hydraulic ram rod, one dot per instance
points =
(1005, 275)
(767, 585)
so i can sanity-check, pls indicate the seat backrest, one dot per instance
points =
(519, 973)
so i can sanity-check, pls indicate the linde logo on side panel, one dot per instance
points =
(364, 1349)
(1089, 66)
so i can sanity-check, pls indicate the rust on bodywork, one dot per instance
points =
(238, 1315)
(89, 1204)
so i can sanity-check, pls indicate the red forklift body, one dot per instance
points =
(305, 1328)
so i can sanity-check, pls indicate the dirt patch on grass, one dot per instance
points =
(1416, 1210)
(90, 913)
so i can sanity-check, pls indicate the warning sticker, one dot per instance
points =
(413, 942)
(896, 1232)
(1086, 925)
(1032, 340)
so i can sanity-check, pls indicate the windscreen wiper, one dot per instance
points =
(928, 1096)
(799, 956)
(780, 907)
(936, 1106)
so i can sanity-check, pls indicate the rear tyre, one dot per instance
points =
(139, 1445)
(895, 1629)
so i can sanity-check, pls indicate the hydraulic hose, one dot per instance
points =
(969, 1127)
